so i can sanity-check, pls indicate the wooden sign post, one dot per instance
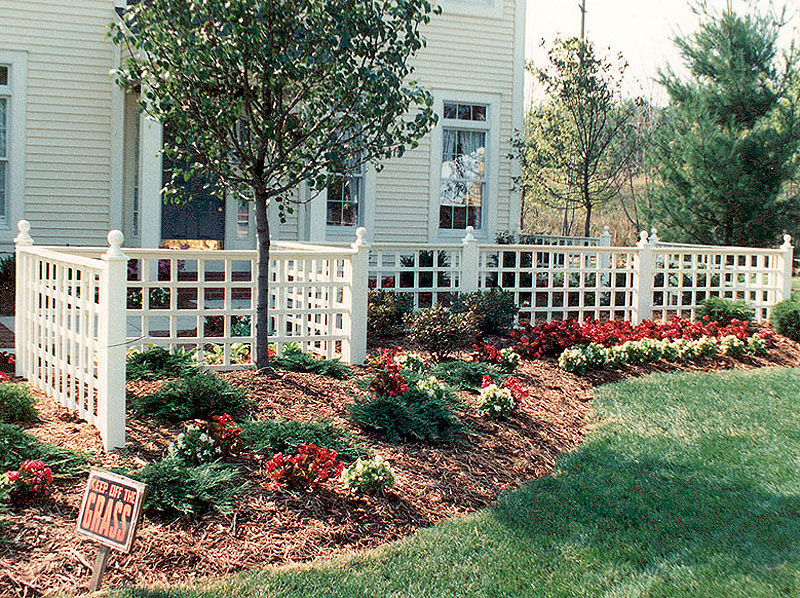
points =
(110, 511)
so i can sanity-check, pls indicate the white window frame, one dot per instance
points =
(491, 127)
(315, 213)
(16, 61)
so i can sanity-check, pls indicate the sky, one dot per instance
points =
(641, 29)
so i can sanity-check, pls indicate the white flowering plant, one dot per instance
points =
(732, 346)
(195, 447)
(509, 359)
(369, 476)
(495, 402)
(411, 361)
(433, 387)
(756, 345)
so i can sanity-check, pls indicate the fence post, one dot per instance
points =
(605, 241)
(111, 345)
(642, 280)
(23, 239)
(785, 271)
(470, 262)
(359, 291)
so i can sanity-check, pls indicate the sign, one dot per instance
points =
(110, 509)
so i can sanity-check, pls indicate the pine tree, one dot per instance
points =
(729, 138)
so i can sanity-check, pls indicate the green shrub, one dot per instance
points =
(8, 270)
(270, 436)
(467, 375)
(294, 360)
(16, 403)
(724, 310)
(17, 445)
(195, 397)
(412, 416)
(494, 310)
(386, 311)
(785, 319)
(155, 363)
(175, 488)
(440, 331)
(372, 476)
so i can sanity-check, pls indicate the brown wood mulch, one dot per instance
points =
(40, 553)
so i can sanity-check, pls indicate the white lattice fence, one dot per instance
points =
(562, 283)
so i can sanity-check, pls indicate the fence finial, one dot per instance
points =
(787, 242)
(24, 237)
(115, 240)
(642, 238)
(469, 237)
(653, 236)
(361, 237)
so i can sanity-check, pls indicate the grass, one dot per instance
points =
(688, 485)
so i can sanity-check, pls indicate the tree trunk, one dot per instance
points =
(262, 283)
(587, 223)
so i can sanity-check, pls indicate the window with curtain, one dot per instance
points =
(345, 198)
(4, 141)
(463, 182)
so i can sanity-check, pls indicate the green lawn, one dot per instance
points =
(689, 485)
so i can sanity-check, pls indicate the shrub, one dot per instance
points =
(439, 331)
(195, 447)
(175, 488)
(309, 466)
(17, 446)
(155, 363)
(195, 397)
(270, 436)
(785, 319)
(294, 360)
(494, 310)
(724, 311)
(466, 375)
(507, 359)
(386, 311)
(412, 416)
(32, 481)
(372, 476)
(8, 271)
(16, 402)
(495, 402)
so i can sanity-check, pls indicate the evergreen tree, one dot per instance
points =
(728, 142)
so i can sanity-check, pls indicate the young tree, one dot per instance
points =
(267, 94)
(568, 153)
(730, 135)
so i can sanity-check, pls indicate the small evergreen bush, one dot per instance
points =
(155, 363)
(178, 489)
(195, 397)
(294, 360)
(785, 319)
(440, 331)
(723, 311)
(16, 403)
(412, 416)
(386, 311)
(17, 446)
(467, 375)
(270, 436)
(494, 310)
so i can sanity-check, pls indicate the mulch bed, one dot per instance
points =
(40, 553)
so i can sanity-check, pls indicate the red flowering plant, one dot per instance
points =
(518, 392)
(389, 382)
(225, 433)
(486, 353)
(307, 468)
(32, 481)
(386, 358)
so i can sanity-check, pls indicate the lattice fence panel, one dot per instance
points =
(684, 277)
(551, 283)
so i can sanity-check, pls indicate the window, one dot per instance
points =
(242, 219)
(463, 179)
(5, 101)
(345, 198)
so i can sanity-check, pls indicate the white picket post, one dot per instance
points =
(642, 280)
(470, 262)
(111, 345)
(785, 269)
(605, 241)
(21, 310)
(359, 297)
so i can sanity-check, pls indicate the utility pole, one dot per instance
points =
(583, 19)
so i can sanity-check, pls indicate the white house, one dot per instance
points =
(77, 158)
